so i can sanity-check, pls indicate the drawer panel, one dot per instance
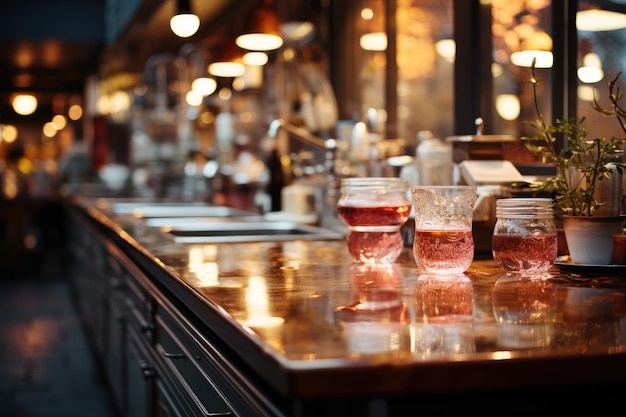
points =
(194, 383)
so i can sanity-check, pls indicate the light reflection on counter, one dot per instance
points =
(259, 318)
(525, 309)
(202, 264)
(444, 315)
(377, 320)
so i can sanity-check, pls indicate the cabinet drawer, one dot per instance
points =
(196, 387)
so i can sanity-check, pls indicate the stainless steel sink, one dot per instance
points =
(245, 231)
(189, 211)
(176, 209)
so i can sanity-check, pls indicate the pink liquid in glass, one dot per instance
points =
(524, 253)
(443, 251)
(374, 215)
(374, 231)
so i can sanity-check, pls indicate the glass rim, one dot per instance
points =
(372, 180)
(440, 187)
(509, 201)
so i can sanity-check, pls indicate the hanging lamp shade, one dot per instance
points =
(262, 29)
(228, 60)
(184, 23)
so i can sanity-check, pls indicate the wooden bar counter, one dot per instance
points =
(295, 328)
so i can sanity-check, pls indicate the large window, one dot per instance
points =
(437, 71)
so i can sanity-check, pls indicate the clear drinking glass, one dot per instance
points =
(374, 209)
(443, 242)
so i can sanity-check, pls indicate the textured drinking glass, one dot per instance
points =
(443, 242)
(524, 236)
(374, 209)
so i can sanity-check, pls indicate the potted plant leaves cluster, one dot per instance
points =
(587, 187)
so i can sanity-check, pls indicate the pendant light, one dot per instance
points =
(261, 29)
(184, 23)
(228, 60)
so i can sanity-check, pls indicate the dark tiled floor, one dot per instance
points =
(46, 367)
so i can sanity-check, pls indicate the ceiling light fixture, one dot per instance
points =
(228, 61)
(184, 23)
(255, 58)
(25, 104)
(262, 29)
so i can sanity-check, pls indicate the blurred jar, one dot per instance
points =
(377, 320)
(374, 209)
(524, 236)
(444, 306)
(525, 309)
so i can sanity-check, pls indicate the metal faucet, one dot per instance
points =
(329, 218)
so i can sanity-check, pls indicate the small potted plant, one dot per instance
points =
(584, 170)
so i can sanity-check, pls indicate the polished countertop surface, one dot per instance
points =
(312, 323)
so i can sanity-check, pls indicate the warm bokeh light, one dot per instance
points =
(193, 98)
(587, 93)
(227, 69)
(259, 41)
(590, 75)
(49, 129)
(184, 25)
(103, 104)
(525, 58)
(595, 20)
(204, 85)
(591, 71)
(508, 106)
(75, 112)
(119, 101)
(59, 121)
(255, 58)
(9, 133)
(446, 48)
(25, 166)
(225, 93)
(367, 13)
(25, 104)
(375, 41)
(9, 184)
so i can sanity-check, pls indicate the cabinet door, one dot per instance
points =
(166, 404)
(196, 389)
(140, 376)
(115, 361)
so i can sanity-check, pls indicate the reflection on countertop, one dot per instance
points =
(305, 305)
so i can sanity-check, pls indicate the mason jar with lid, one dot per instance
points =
(524, 236)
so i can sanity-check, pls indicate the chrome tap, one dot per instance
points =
(329, 216)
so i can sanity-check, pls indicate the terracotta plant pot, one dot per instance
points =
(590, 239)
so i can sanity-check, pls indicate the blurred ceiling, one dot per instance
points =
(50, 48)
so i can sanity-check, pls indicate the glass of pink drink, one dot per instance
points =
(374, 209)
(443, 242)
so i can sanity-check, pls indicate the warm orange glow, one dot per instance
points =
(59, 121)
(25, 104)
(9, 133)
(75, 112)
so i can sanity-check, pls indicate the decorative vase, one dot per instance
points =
(590, 239)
